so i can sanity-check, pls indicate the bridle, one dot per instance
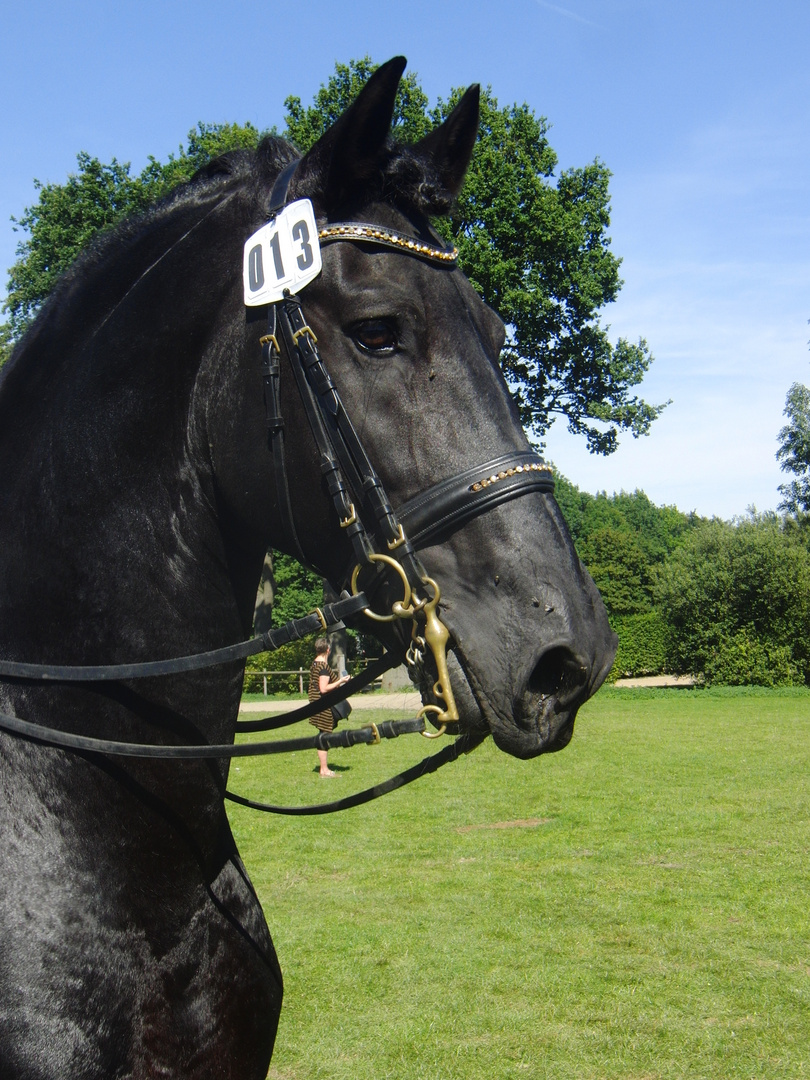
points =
(384, 542)
(381, 538)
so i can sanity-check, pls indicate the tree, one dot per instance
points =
(736, 599)
(619, 569)
(535, 246)
(66, 217)
(623, 539)
(536, 249)
(794, 451)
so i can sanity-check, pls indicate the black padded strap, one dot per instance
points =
(325, 740)
(432, 515)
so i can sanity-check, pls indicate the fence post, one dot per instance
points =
(300, 680)
(264, 680)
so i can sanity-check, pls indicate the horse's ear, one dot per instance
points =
(347, 155)
(450, 145)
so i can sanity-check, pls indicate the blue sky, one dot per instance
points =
(700, 109)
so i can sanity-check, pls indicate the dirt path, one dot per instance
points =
(408, 701)
(404, 700)
(658, 680)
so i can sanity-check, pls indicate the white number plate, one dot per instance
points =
(284, 254)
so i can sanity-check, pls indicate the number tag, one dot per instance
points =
(284, 254)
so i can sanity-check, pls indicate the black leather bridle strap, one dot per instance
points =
(353, 686)
(355, 462)
(345, 464)
(300, 348)
(271, 376)
(463, 745)
(325, 740)
(327, 616)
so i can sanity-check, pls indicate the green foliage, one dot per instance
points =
(642, 645)
(794, 450)
(60, 225)
(536, 249)
(619, 568)
(744, 659)
(298, 654)
(736, 598)
(66, 217)
(728, 601)
(539, 254)
(297, 592)
(622, 539)
(6, 343)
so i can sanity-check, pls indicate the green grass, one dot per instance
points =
(647, 919)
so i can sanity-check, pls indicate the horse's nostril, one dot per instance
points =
(558, 672)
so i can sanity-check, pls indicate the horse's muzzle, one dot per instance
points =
(542, 714)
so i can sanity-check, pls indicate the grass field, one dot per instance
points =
(634, 907)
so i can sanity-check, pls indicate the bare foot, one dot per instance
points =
(327, 773)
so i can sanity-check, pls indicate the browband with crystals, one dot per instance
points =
(376, 234)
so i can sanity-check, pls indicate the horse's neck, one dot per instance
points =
(110, 543)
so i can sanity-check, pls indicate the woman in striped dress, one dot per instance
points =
(321, 679)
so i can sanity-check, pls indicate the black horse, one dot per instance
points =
(136, 505)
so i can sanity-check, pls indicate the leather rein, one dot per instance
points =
(383, 541)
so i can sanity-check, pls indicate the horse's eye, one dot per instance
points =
(375, 336)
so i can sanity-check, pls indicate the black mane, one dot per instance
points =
(404, 179)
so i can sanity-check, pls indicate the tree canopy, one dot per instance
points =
(794, 451)
(533, 243)
(537, 250)
(736, 601)
(67, 216)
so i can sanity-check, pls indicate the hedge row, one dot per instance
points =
(642, 645)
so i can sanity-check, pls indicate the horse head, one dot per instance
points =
(413, 352)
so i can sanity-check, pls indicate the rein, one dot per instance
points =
(328, 617)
